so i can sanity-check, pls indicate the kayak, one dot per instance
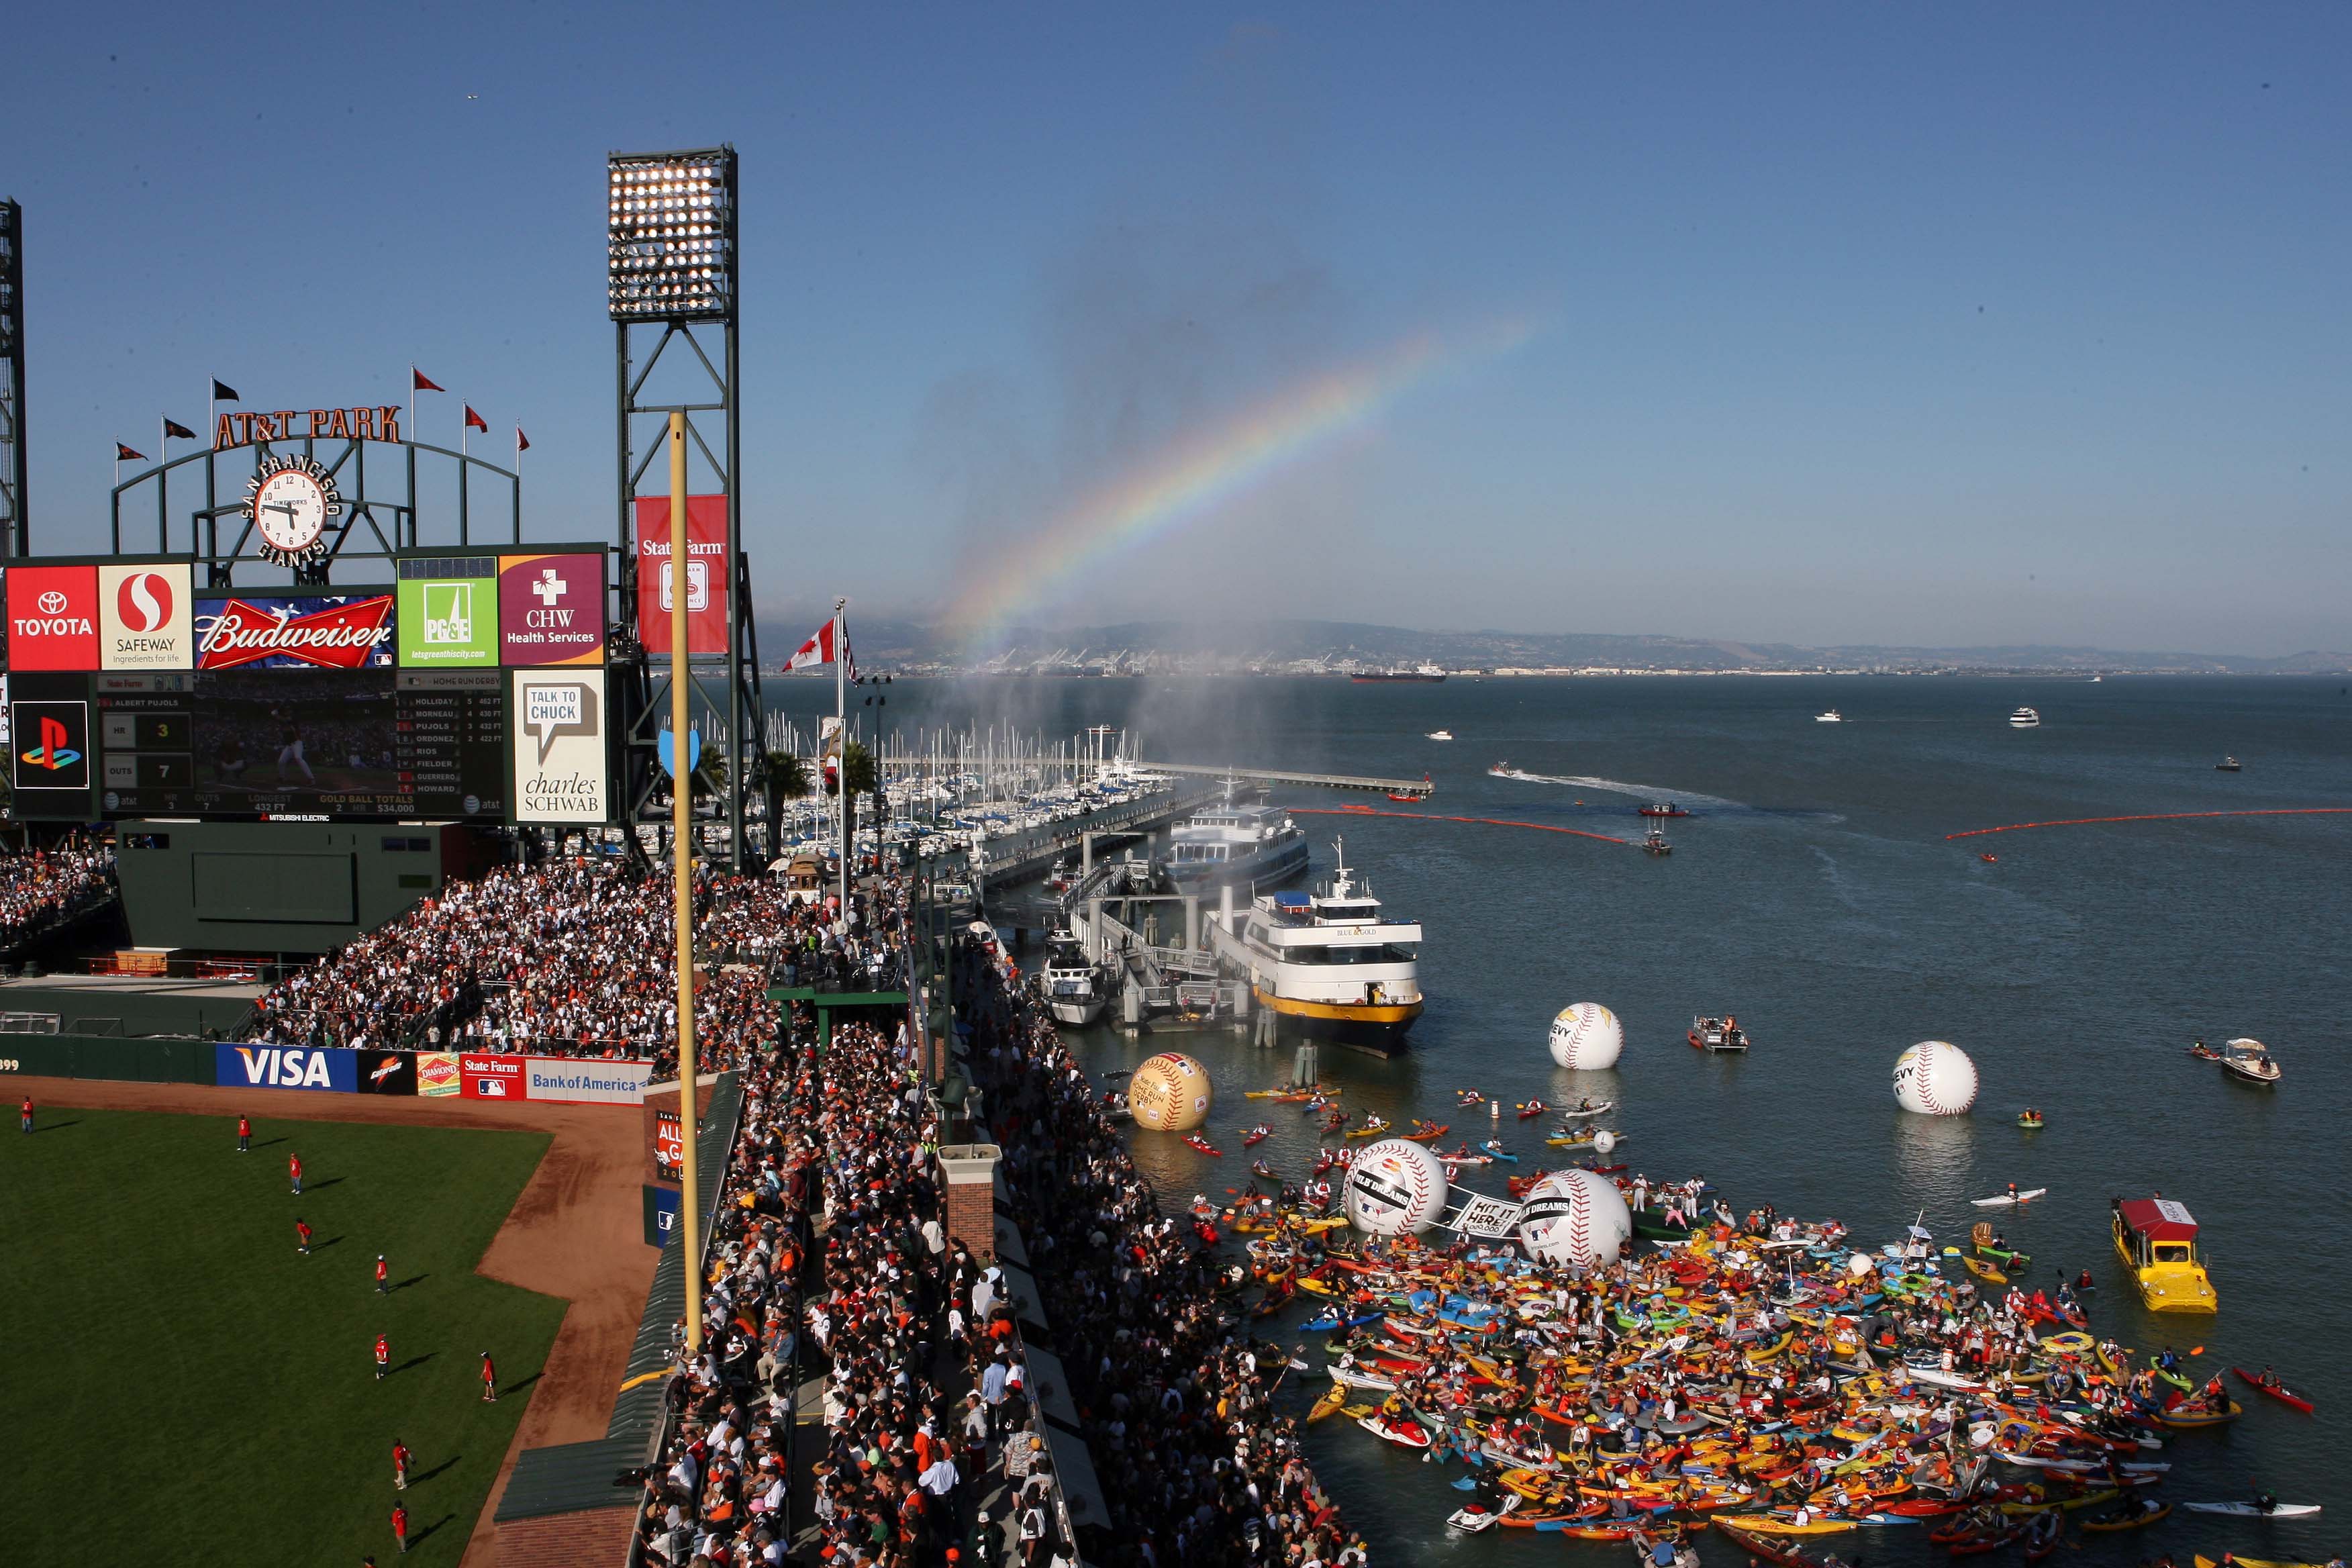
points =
(2136, 1518)
(2004, 1200)
(1329, 1403)
(2279, 1392)
(1985, 1271)
(2253, 1510)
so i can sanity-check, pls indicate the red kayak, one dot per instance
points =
(1202, 1144)
(2277, 1391)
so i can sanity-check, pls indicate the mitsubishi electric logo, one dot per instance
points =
(449, 614)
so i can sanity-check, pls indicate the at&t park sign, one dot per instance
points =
(375, 424)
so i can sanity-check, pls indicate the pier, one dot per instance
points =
(1418, 788)
(1028, 855)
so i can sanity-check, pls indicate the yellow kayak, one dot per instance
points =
(1329, 1403)
(1766, 1353)
(2203, 1562)
(1765, 1525)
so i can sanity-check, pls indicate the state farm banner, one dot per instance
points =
(587, 1082)
(706, 574)
(286, 1067)
(273, 631)
(493, 1077)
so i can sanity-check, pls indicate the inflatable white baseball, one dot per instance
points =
(1860, 1266)
(1169, 1093)
(1934, 1078)
(1394, 1186)
(1604, 1142)
(1575, 1218)
(1587, 1037)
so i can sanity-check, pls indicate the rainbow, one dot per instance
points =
(1188, 478)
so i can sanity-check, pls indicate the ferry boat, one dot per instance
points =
(1245, 847)
(1076, 988)
(1426, 672)
(1832, 717)
(2158, 1242)
(1330, 964)
(2025, 718)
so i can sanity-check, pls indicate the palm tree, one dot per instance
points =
(782, 777)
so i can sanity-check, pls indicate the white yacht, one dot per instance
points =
(1441, 735)
(2024, 719)
(1244, 846)
(1330, 963)
(1076, 988)
(1832, 717)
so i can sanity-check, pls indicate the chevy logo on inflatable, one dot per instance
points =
(286, 1067)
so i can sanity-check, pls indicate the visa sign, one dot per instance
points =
(286, 1067)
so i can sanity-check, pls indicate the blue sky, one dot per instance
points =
(1957, 325)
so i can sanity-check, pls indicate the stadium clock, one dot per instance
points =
(288, 501)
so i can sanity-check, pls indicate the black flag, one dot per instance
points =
(223, 393)
(172, 427)
(124, 454)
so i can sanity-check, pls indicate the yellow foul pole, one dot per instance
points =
(682, 856)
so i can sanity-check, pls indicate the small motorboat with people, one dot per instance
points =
(1472, 1517)
(2226, 765)
(2025, 718)
(1721, 1034)
(1654, 842)
(1501, 771)
(1076, 988)
(1662, 808)
(1415, 796)
(2249, 1061)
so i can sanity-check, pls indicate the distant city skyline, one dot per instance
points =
(1831, 327)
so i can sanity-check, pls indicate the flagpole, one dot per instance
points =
(681, 781)
(841, 707)
(412, 408)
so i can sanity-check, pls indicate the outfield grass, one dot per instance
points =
(178, 1384)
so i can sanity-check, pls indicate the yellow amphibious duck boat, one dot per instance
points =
(2158, 1242)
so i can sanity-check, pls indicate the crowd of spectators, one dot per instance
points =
(574, 957)
(44, 886)
(1195, 1465)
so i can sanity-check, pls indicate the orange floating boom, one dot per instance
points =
(2155, 817)
(1431, 817)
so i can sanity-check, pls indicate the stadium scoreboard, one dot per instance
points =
(472, 689)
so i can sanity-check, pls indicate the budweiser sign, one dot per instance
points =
(329, 634)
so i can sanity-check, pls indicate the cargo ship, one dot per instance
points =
(1428, 673)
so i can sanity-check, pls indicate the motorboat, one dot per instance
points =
(1662, 808)
(2249, 1061)
(2025, 718)
(1500, 771)
(1245, 847)
(1656, 844)
(1329, 963)
(2227, 766)
(1830, 716)
(1716, 1035)
(2157, 1239)
(1441, 735)
(1076, 988)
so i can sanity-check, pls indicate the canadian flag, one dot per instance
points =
(829, 643)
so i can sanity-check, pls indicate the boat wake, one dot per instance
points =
(1617, 786)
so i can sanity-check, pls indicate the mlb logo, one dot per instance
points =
(697, 586)
(493, 1087)
(449, 612)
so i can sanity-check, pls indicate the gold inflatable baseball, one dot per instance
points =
(1169, 1093)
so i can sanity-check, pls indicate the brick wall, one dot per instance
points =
(596, 1537)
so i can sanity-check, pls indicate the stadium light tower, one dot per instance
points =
(670, 241)
(15, 535)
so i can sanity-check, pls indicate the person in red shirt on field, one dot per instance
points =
(301, 1237)
(294, 1169)
(25, 1114)
(244, 1135)
(382, 1357)
(490, 1379)
(399, 1527)
(382, 1276)
(400, 1458)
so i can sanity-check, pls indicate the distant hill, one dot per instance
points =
(1304, 646)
